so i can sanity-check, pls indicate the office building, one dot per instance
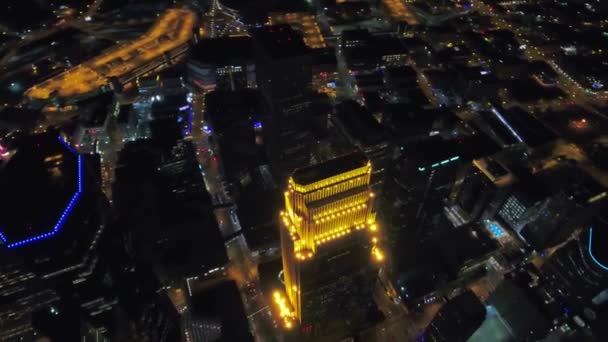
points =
(361, 129)
(222, 63)
(580, 268)
(457, 320)
(536, 306)
(547, 207)
(216, 314)
(486, 180)
(282, 62)
(328, 240)
(57, 268)
(426, 173)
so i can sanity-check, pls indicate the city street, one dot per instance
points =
(242, 268)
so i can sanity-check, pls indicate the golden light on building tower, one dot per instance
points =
(327, 206)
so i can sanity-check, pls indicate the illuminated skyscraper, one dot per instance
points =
(328, 235)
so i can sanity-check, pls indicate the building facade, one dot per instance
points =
(328, 235)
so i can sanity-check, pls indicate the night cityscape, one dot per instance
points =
(303, 170)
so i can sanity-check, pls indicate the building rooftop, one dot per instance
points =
(531, 131)
(221, 51)
(519, 304)
(280, 41)
(223, 302)
(41, 184)
(436, 150)
(18, 118)
(359, 123)
(227, 109)
(456, 248)
(577, 184)
(333, 167)
(457, 319)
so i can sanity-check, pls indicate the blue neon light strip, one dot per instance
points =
(502, 119)
(66, 212)
(68, 146)
(443, 162)
(591, 253)
(79, 173)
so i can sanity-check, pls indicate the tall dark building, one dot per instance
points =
(457, 320)
(518, 305)
(222, 63)
(575, 198)
(426, 173)
(173, 228)
(553, 305)
(580, 268)
(545, 208)
(170, 233)
(216, 314)
(282, 62)
(362, 130)
(486, 180)
(57, 270)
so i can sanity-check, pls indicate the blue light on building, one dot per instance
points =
(67, 146)
(257, 125)
(443, 162)
(66, 212)
(591, 252)
(504, 122)
(496, 231)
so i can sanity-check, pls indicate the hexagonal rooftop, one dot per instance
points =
(41, 185)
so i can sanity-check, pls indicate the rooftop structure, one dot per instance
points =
(53, 240)
(280, 41)
(56, 179)
(315, 173)
(436, 151)
(494, 171)
(222, 51)
(457, 319)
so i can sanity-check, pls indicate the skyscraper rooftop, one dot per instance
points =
(315, 173)
(41, 186)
